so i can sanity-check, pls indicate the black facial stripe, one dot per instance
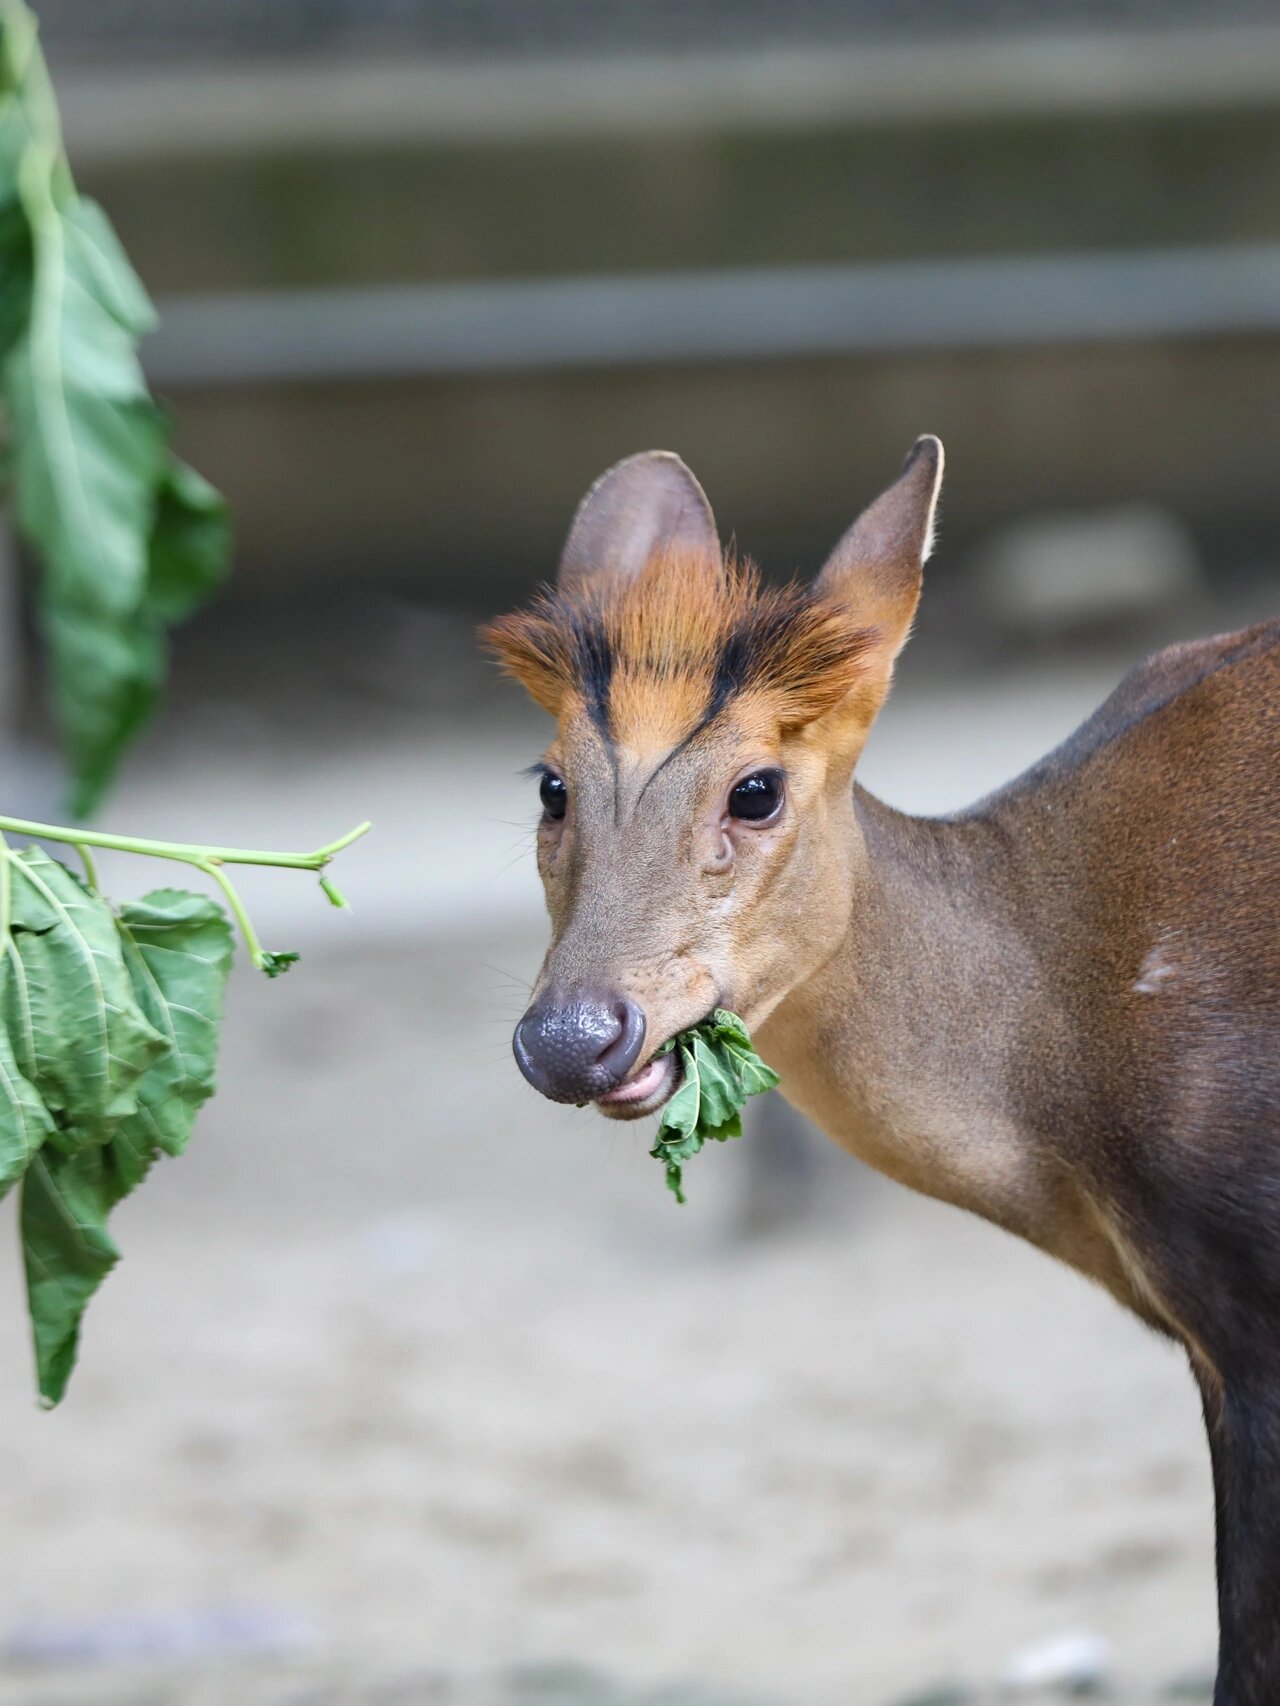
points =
(746, 654)
(744, 657)
(734, 668)
(594, 656)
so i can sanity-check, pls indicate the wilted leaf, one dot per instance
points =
(69, 1008)
(24, 1119)
(67, 1252)
(108, 1046)
(177, 949)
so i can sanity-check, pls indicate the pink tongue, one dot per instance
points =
(636, 1089)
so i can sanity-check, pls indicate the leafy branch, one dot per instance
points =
(130, 540)
(211, 860)
(109, 1025)
(109, 1017)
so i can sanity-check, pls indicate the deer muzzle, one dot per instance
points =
(579, 1047)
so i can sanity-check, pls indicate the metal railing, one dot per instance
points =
(377, 332)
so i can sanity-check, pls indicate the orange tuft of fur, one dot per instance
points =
(653, 657)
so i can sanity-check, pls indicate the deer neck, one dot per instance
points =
(902, 1045)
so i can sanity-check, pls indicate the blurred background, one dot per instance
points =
(412, 1387)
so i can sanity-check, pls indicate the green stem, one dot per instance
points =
(328, 851)
(334, 894)
(252, 945)
(188, 853)
(210, 860)
(90, 869)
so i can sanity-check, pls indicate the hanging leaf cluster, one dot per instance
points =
(109, 1025)
(128, 539)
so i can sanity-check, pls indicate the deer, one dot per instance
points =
(1058, 1009)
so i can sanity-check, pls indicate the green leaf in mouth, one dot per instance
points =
(720, 1070)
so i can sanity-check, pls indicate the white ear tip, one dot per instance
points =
(927, 448)
(927, 455)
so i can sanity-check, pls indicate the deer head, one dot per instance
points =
(697, 841)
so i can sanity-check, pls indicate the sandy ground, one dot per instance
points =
(414, 1388)
(447, 1386)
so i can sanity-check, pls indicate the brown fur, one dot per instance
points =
(1059, 1009)
(663, 635)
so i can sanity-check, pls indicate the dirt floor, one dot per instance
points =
(413, 1388)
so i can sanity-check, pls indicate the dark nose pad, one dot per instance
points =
(576, 1049)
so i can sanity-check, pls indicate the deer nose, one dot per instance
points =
(576, 1049)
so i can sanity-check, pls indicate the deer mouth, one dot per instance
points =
(644, 1090)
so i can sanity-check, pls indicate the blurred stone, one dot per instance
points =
(1075, 1663)
(1065, 574)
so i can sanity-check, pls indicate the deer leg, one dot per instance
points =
(1243, 1422)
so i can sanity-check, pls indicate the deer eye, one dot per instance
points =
(554, 795)
(758, 797)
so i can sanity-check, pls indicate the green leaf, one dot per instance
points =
(717, 1083)
(178, 950)
(67, 1252)
(69, 1008)
(130, 540)
(109, 1027)
(15, 272)
(97, 264)
(88, 456)
(90, 444)
(190, 544)
(106, 673)
(276, 965)
(107, 1052)
(24, 1119)
(719, 1070)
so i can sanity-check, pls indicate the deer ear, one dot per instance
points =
(876, 568)
(640, 507)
